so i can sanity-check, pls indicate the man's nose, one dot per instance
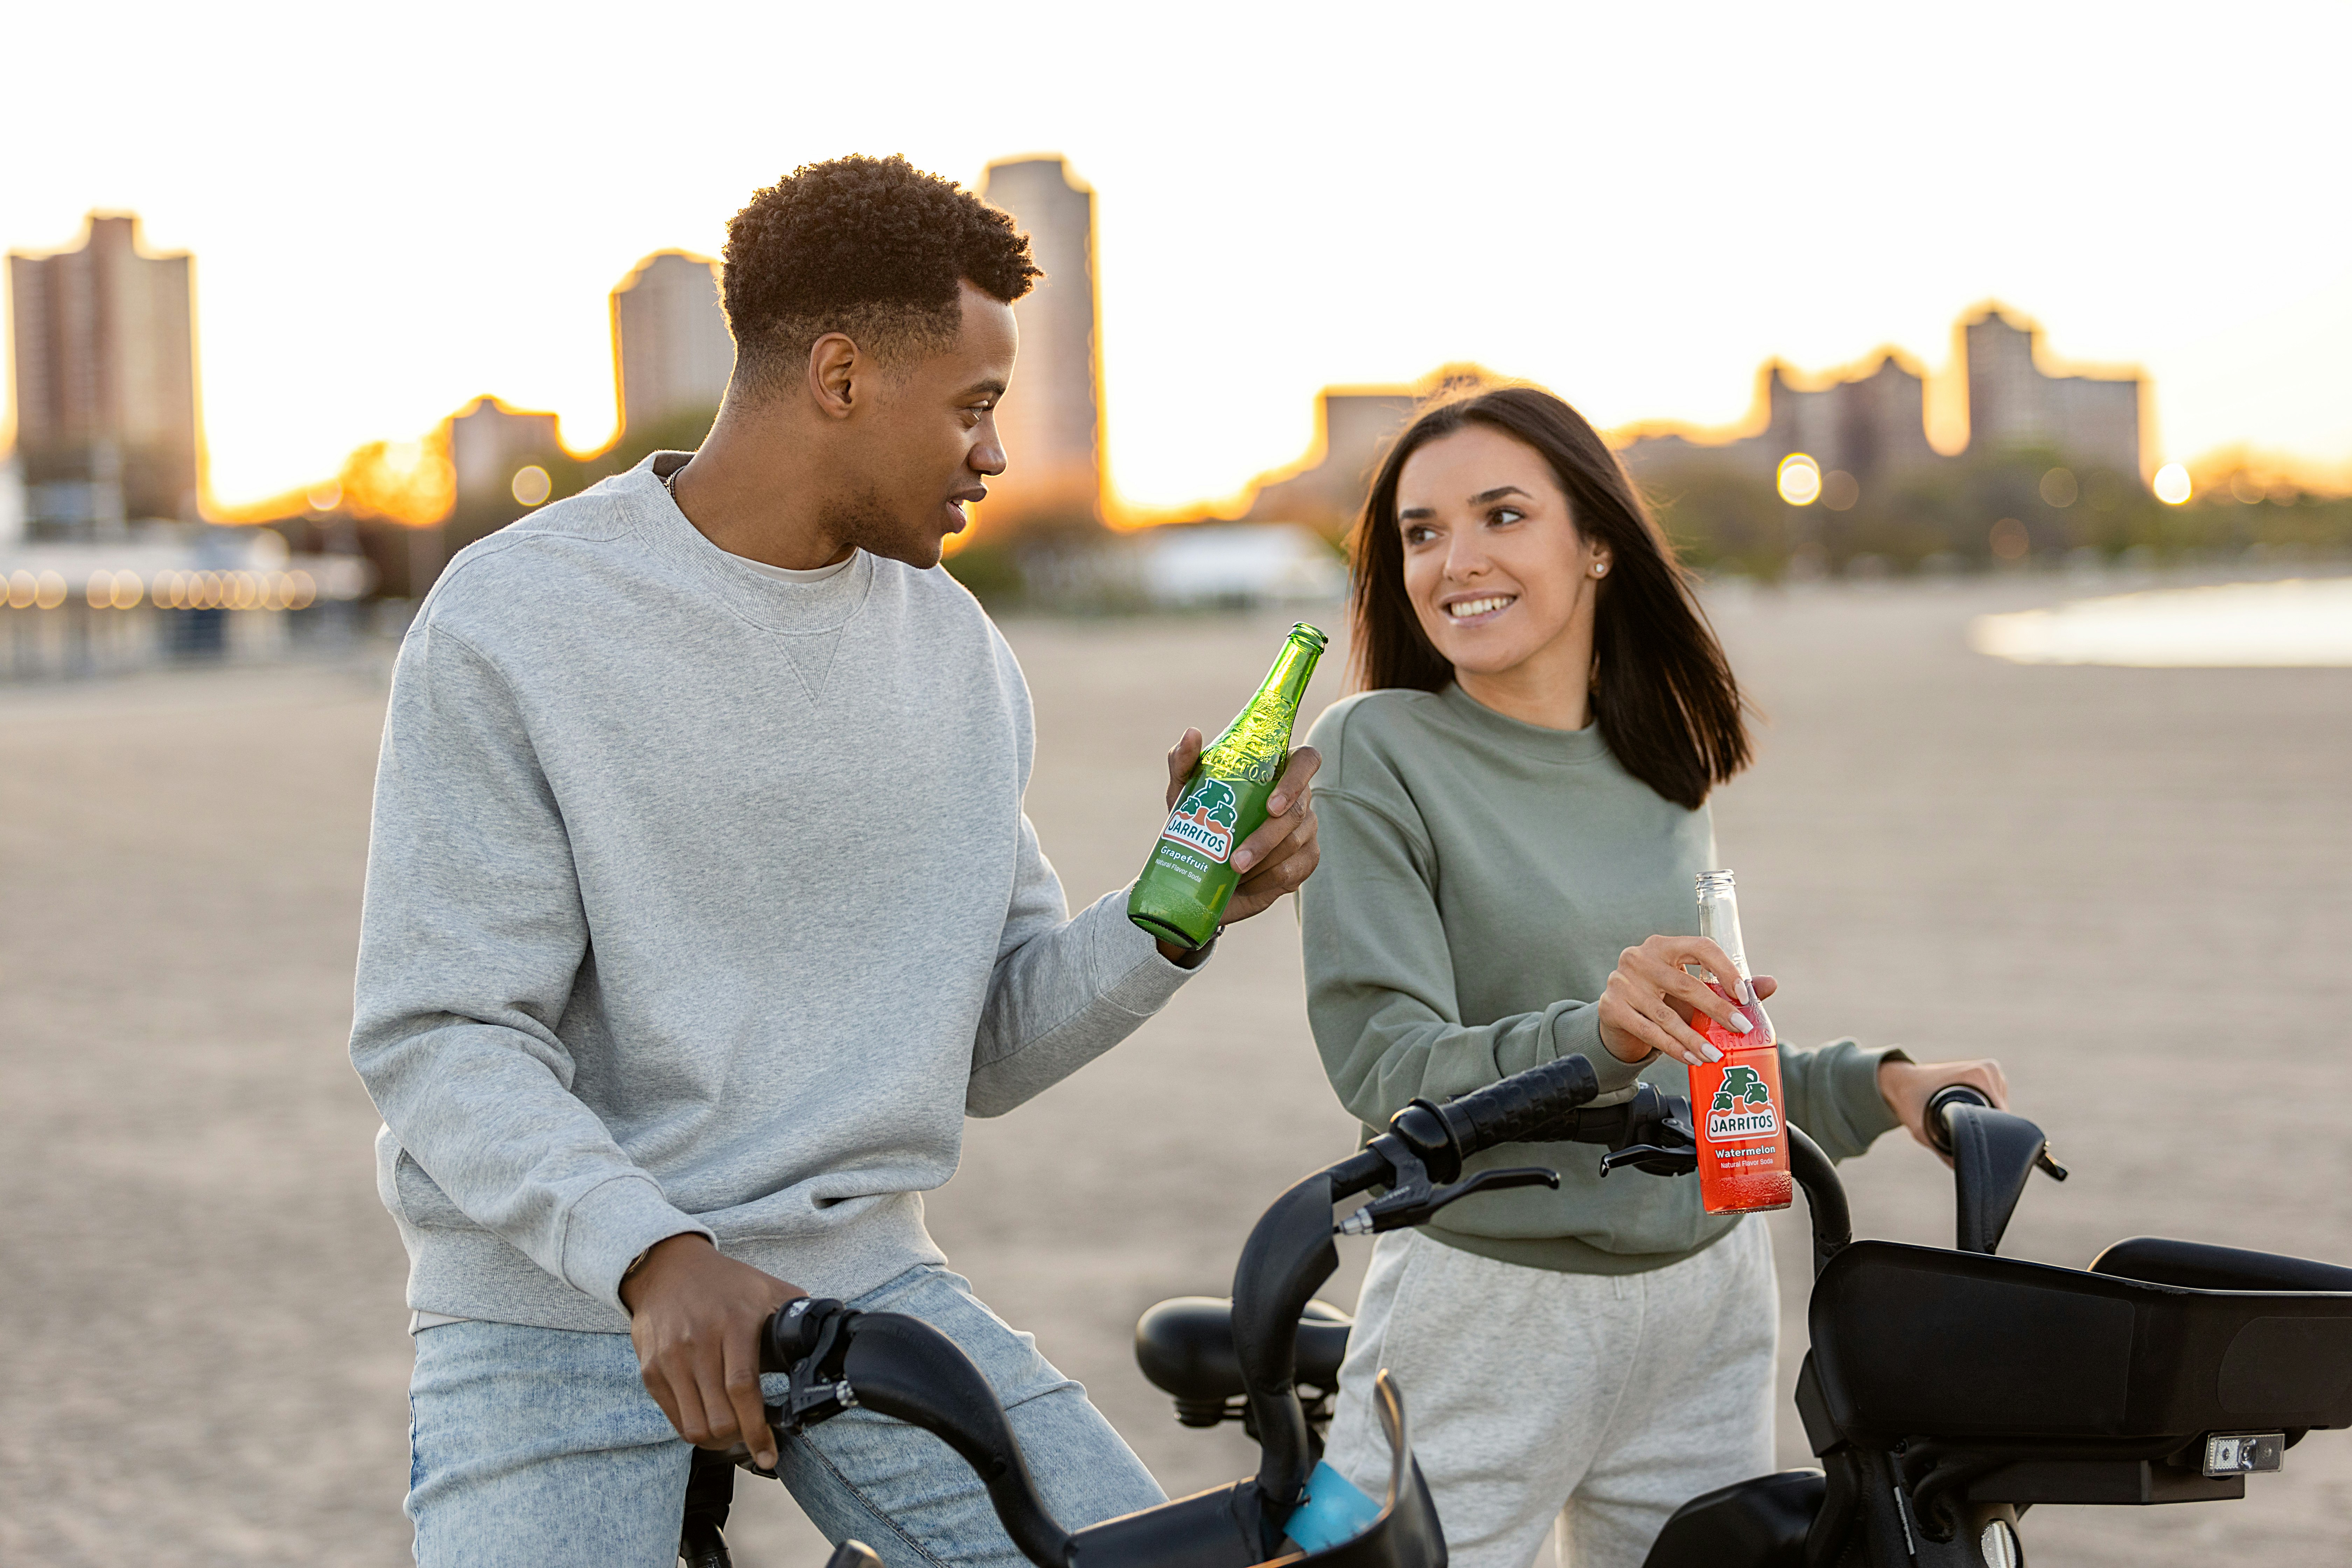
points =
(987, 455)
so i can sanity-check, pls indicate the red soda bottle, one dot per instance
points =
(1742, 1122)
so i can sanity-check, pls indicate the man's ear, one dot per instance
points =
(834, 368)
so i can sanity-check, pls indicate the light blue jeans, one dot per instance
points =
(537, 1446)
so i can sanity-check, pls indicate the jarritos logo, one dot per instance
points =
(1742, 1107)
(1204, 819)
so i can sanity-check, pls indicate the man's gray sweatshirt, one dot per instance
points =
(702, 901)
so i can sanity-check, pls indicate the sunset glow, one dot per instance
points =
(363, 272)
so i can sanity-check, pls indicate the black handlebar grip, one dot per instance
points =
(1517, 1109)
(791, 1333)
(1940, 1132)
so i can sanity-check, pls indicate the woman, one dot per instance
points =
(1514, 812)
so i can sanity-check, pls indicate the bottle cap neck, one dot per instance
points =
(1718, 917)
(1293, 667)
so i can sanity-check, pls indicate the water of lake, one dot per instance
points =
(2300, 622)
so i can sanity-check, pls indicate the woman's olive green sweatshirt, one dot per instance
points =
(1479, 878)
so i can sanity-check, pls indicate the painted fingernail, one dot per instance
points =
(1746, 992)
(1740, 1026)
(1709, 1052)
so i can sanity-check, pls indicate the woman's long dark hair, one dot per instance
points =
(1662, 691)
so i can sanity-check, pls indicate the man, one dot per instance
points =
(701, 908)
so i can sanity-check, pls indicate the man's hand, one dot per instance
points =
(695, 1316)
(1283, 852)
(1906, 1087)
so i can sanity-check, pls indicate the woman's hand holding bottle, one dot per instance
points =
(1652, 999)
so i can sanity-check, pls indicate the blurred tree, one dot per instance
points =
(1946, 515)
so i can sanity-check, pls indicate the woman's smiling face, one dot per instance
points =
(1496, 569)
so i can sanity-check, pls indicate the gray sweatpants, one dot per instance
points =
(1602, 1401)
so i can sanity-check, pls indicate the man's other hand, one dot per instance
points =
(694, 1317)
(1283, 852)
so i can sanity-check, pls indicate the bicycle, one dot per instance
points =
(902, 1367)
(2165, 1373)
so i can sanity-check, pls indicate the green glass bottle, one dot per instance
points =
(1185, 885)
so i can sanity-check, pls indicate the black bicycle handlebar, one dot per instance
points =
(1520, 1106)
(1939, 1118)
(841, 1359)
(838, 1358)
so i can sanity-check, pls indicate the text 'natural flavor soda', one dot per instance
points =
(1186, 884)
(1740, 1118)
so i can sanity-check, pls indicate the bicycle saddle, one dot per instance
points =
(1186, 1348)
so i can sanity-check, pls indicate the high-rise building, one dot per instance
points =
(671, 350)
(1354, 426)
(1873, 426)
(1050, 419)
(489, 443)
(2091, 421)
(105, 381)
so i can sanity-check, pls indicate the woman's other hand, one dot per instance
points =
(1906, 1087)
(1652, 1000)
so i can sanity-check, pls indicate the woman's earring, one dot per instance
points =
(1600, 569)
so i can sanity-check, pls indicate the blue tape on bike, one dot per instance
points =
(1336, 1510)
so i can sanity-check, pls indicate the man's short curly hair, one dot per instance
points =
(873, 248)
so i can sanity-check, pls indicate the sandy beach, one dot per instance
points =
(2127, 884)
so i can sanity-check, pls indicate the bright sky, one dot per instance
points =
(394, 208)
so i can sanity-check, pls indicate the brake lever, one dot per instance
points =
(1414, 1203)
(1649, 1157)
(818, 1390)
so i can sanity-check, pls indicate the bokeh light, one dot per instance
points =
(2172, 485)
(49, 590)
(532, 485)
(2010, 541)
(21, 588)
(1800, 479)
(2058, 488)
(1840, 491)
(325, 497)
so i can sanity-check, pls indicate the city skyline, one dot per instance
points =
(1868, 427)
(671, 353)
(2160, 197)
